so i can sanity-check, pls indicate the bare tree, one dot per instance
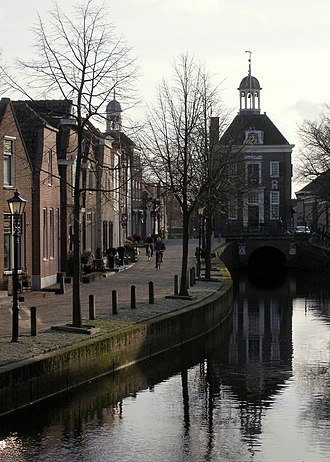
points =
(177, 142)
(315, 152)
(79, 58)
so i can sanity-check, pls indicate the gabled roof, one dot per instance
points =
(319, 187)
(121, 138)
(236, 130)
(3, 106)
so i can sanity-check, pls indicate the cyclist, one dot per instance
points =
(149, 245)
(159, 249)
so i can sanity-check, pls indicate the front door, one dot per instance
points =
(253, 217)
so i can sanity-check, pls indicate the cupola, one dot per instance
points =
(249, 93)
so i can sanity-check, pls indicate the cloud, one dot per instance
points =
(306, 109)
(188, 7)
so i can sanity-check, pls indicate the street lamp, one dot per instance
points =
(17, 206)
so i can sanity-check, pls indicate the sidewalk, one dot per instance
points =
(55, 310)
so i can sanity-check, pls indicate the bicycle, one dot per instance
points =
(148, 252)
(159, 258)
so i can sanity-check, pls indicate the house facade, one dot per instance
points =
(130, 174)
(40, 139)
(16, 174)
(313, 205)
(264, 168)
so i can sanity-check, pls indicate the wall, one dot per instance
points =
(38, 378)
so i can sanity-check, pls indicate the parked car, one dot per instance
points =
(302, 230)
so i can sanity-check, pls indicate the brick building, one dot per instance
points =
(265, 167)
(16, 173)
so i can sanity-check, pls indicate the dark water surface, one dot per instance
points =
(257, 391)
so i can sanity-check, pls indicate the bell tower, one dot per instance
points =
(249, 93)
(113, 112)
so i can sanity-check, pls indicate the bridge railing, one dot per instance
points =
(276, 229)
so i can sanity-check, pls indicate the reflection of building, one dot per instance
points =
(266, 168)
(258, 359)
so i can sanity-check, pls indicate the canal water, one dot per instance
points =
(257, 390)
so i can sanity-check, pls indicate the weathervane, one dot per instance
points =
(250, 52)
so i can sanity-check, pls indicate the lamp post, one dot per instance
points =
(17, 206)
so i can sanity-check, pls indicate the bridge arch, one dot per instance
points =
(267, 256)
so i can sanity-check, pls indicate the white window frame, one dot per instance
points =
(253, 198)
(51, 233)
(258, 165)
(8, 161)
(89, 227)
(50, 166)
(274, 209)
(274, 169)
(232, 209)
(45, 234)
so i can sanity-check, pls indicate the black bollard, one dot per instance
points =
(192, 280)
(62, 284)
(34, 326)
(151, 292)
(176, 284)
(91, 300)
(193, 272)
(133, 297)
(114, 302)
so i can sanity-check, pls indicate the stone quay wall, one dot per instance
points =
(41, 377)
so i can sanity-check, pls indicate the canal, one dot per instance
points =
(259, 390)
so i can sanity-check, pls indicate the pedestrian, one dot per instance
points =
(149, 245)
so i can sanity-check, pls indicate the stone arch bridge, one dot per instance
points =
(243, 252)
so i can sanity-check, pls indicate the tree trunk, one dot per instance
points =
(76, 308)
(185, 249)
(208, 243)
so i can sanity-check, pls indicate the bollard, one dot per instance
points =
(198, 270)
(187, 279)
(176, 284)
(114, 302)
(91, 307)
(34, 326)
(133, 298)
(62, 284)
(151, 292)
(193, 272)
(192, 279)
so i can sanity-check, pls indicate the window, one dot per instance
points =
(253, 173)
(8, 162)
(45, 235)
(73, 175)
(50, 167)
(89, 231)
(253, 198)
(51, 234)
(274, 205)
(232, 210)
(8, 240)
(274, 169)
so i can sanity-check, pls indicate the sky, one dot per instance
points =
(289, 41)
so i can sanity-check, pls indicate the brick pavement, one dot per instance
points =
(56, 309)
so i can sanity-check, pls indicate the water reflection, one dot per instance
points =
(257, 390)
(258, 359)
